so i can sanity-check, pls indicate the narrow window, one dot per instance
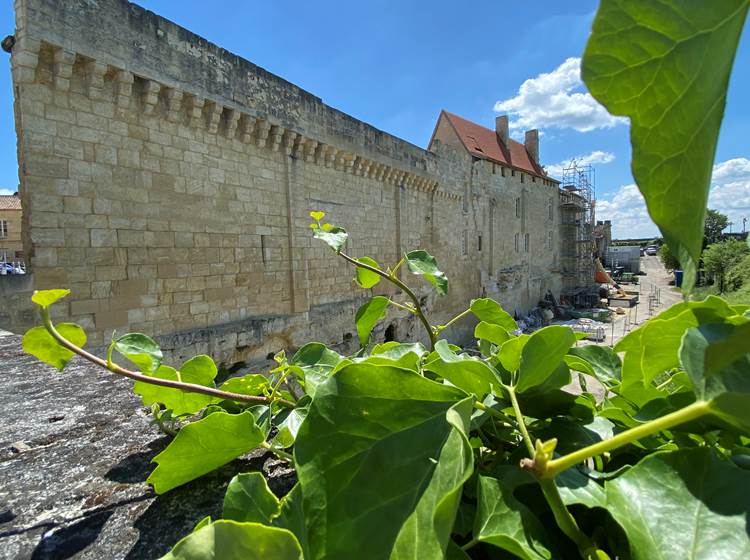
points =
(522, 177)
(3, 229)
(516, 242)
(526, 243)
(533, 178)
(549, 208)
(465, 243)
(479, 243)
(502, 171)
(549, 240)
(512, 172)
(518, 207)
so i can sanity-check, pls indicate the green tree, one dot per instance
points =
(739, 275)
(716, 222)
(720, 257)
(668, 258)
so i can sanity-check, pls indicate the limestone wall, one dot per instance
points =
(167, 183)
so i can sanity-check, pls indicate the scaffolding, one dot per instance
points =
(577, 214)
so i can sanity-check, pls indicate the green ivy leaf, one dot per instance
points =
(316, 362)
(653, 348)
(510, 352)
(495, 334)
(140, 349)
(230, 540)
(368, 316)
(248, 499)
(40, 344)
(202, 446)
(542, 355)
(45, 298)
(366, 278)
(506, 523)
(292, 517)
(716, 357)
(334, 236)
(424, 264)
(605, 364)
(199, 370)
(704, 498)
(465, 372)
(667, 67)
(369, 451)
(202, 523)
(252, 384)
(489, 311)
(289, 426)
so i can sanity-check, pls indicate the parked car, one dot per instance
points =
(652, 250)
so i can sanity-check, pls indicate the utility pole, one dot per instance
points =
(744, 222)
(730, 226)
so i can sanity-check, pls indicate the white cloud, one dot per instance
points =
(5, 192)
(627, 210)
(556, 99)
(729, 194)
(598, 156)
(730, 190)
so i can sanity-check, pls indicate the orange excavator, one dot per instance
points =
(603, 277)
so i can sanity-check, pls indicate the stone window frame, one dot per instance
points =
(517, 242)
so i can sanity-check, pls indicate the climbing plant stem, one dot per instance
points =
(114, 368)
(690, 412)
(392, 278)
(519, 419)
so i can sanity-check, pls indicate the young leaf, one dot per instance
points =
(704, 498)
(489, 311)
(45, 298)
(203, 446)
(334, 236)
(289, 426)
(424, 264)
(248, 499)
(230, 540)
(716, 357)
(604, 362)
(470, 374)
(251, 384)
(366, 278)
(368, 453)
(667, 67)
(542, 354)
(178, 401)
(495, 334)
(40, 344)
(317, 216)
(506, 523)
(316, 362)
(368, 316)
(510, 352)
(140, 349)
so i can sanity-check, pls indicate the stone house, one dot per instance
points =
(167, 183)
(11, 244)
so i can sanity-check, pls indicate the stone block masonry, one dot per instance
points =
(167, 183)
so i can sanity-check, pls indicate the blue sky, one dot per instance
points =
(396, 64)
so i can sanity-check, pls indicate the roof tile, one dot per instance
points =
(9, 202)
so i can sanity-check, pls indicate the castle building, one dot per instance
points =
(167, 183)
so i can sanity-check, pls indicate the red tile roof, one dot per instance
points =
(486, 144)
(9, 202)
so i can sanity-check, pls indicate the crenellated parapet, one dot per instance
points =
(43, 61)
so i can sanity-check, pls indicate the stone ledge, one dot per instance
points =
(75, 448)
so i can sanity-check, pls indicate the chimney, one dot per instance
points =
(532, 144)
(501, 127)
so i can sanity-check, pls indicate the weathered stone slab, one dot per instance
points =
(75, 448)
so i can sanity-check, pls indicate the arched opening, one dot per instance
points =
(390, 333)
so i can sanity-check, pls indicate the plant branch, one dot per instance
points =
(691, 412)
(458, 317)
(278, 452)
(565, 520)
(496, 413)
(402, 306)
(519, 418)
(404, 287)
(135, 376)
